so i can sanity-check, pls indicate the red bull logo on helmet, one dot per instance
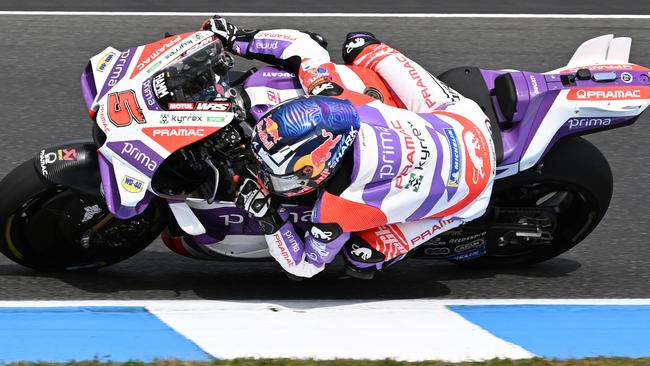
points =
(269, 135)
(323, 153)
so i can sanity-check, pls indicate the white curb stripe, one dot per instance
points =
(336, 15)
(362, 331)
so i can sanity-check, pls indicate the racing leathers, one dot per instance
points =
(421, 163)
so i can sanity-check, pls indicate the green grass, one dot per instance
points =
(601, 361)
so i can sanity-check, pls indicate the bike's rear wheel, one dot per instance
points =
(566, 196)
(53, 228)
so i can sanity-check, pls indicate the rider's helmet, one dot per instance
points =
(300, 143)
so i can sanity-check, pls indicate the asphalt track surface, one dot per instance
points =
(40, 103)
(343, 6)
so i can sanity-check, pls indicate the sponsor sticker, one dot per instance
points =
(479, 252)
(267, 130)
(454, 168)
(436, 228)
(278, 74)
(154, 54)
(132, 185)
(605, 68)
(279, 243)
(614, 93)
(273, 96)
(416, 78)
(200, 106)
(138, 154)
(181, 106)
(579, 123)
(173, 138)
(160, 86)
(46, 158)
(323, 153)
(627, 78)
(533, 82)
(260, 44)
(105, 61)
(275, 35)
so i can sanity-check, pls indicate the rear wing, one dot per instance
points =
(604, 50)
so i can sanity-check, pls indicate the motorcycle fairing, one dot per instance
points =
(72, 164)
(548, 107)
(229, 231)
(270, 86)
(139, 134)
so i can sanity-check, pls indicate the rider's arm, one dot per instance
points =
(286, 48)
(305, 257)
(302, 257)
(303, 53)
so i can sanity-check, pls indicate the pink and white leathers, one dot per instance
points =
(424, 160)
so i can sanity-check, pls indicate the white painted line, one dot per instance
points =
(335, 15)
(377, 332)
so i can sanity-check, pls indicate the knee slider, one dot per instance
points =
(355, 42)
(360, 250)
(328, 89)
(325, 233)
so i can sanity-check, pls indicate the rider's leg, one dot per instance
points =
(418, 90)
(466, 157)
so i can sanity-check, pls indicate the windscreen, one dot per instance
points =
(193, 78)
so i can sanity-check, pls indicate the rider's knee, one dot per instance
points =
(355, 43)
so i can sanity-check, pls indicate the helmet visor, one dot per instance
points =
(287, 183)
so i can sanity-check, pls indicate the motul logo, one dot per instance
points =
(608, 94)
(180, 132)
(181, 106)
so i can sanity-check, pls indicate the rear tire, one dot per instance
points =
(577, 176)
(43, 225)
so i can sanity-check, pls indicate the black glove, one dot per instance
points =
(225, 31)
(257, 201)
(253, 198)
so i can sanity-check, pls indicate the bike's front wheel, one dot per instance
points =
(53, 228)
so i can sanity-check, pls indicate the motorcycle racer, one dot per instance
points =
(392, 169)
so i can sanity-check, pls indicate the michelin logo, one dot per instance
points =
(454, 168)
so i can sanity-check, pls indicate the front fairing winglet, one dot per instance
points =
(122, 203)
(186, 218)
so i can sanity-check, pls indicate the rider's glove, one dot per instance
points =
(256, 200)
(225, 31)
(253, 198)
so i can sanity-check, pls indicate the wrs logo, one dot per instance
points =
(620, 93)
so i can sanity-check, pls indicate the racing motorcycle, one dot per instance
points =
(171, 133)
